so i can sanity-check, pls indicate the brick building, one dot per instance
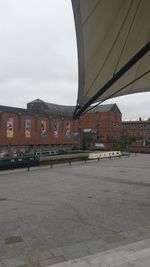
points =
(45, 125)
(105, 122)
(139, 129)
(25, 129)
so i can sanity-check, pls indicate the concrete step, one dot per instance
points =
(136, 254)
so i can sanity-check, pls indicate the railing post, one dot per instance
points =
(28, 168)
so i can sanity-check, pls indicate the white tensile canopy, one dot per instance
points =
(113, 39)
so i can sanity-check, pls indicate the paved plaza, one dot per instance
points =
(49, 215)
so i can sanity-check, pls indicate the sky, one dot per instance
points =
(38, 57)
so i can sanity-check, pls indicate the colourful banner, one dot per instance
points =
(27, 128)
(10, 128)
(68, 130)
(43, 129)
(56, 129)
(76, 136)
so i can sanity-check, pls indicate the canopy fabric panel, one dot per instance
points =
(109, 33)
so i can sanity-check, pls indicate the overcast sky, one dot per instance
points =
(38, 57)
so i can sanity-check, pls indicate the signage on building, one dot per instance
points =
(43, 129)
(76, 136)
(27, 128)
(10, 128)
(68, 130)
(56, 129)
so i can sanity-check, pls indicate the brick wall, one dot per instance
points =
(42, 129)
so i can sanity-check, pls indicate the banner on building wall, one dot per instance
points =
(56, 129)
(76, 136)
(10, 128)
(43, 129)
(27, 128)
(68, 130)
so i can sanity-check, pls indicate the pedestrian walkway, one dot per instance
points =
(135, 254)
(54, 216)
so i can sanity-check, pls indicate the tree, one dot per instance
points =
(125, 141)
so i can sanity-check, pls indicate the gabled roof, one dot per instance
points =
(37, 101)
(106, 108)
(60, 108)
(68, 110)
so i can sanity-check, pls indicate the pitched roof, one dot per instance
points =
(106, 108)
(60, 108)
(68, 110)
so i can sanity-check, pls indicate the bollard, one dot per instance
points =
(28, 168)
(69, 163)
(51, 165)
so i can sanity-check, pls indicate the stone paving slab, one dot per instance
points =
(112, 258)
(52, 261)
(72, 252)
(142, 263)
(136, 254)
(13, 262)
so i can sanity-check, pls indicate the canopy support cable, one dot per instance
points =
(114, 79)
(122, 88)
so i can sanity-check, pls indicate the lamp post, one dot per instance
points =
(62, 133)
(50, 128)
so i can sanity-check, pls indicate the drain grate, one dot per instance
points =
(13, 239)
(3, 199)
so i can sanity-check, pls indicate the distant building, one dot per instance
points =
(105, 122)
(46, 125)
(139, 129)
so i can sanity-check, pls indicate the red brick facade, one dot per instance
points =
(50, 125)
(139, 129)
(45, 125)
(106, 126)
